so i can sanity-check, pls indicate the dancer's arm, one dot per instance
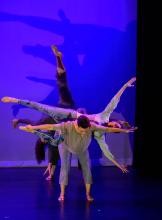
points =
(100, 128)
(43, 135)
(54, 112)
(104, 115)
(45, 127)
(100, 138)
(54, 141)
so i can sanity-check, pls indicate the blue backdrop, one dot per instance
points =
(98, 41)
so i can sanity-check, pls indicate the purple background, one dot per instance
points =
(98, 41)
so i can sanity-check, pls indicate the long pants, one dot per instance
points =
(53, 154)
(83, 158)
(55, 112)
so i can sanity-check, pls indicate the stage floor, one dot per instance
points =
(25, 194)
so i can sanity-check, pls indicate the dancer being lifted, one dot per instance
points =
(61, 113)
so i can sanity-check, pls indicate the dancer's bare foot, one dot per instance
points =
(61, 198)
(131, 81)
(49, 178)
(56, 52)
(89, 198)
(27, 128)
(9, 99)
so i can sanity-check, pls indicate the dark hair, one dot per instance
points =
(83, 121)
(40, 151)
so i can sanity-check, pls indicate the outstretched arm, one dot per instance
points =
(105, 114)
(55, 127)
(54, 112)
(100, 138)
(46, 127)
(104, 129)
(54, 141)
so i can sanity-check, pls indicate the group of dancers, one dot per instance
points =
(68, 130)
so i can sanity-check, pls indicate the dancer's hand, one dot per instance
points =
(124, 169)
(9, 99)
(27, 128)
(132, 129)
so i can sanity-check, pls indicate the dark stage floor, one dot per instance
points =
(24, 194)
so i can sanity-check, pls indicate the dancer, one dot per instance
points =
(103, 119)
(60, 113)
(77, 137)
(65, 101)
(100, 118)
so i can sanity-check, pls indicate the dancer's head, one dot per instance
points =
(83, 124)
(114, 124)
(117, 124)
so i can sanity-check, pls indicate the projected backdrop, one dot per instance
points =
(98, 42)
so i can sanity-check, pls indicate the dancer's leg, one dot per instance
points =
(85, 164)
(105, 114)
